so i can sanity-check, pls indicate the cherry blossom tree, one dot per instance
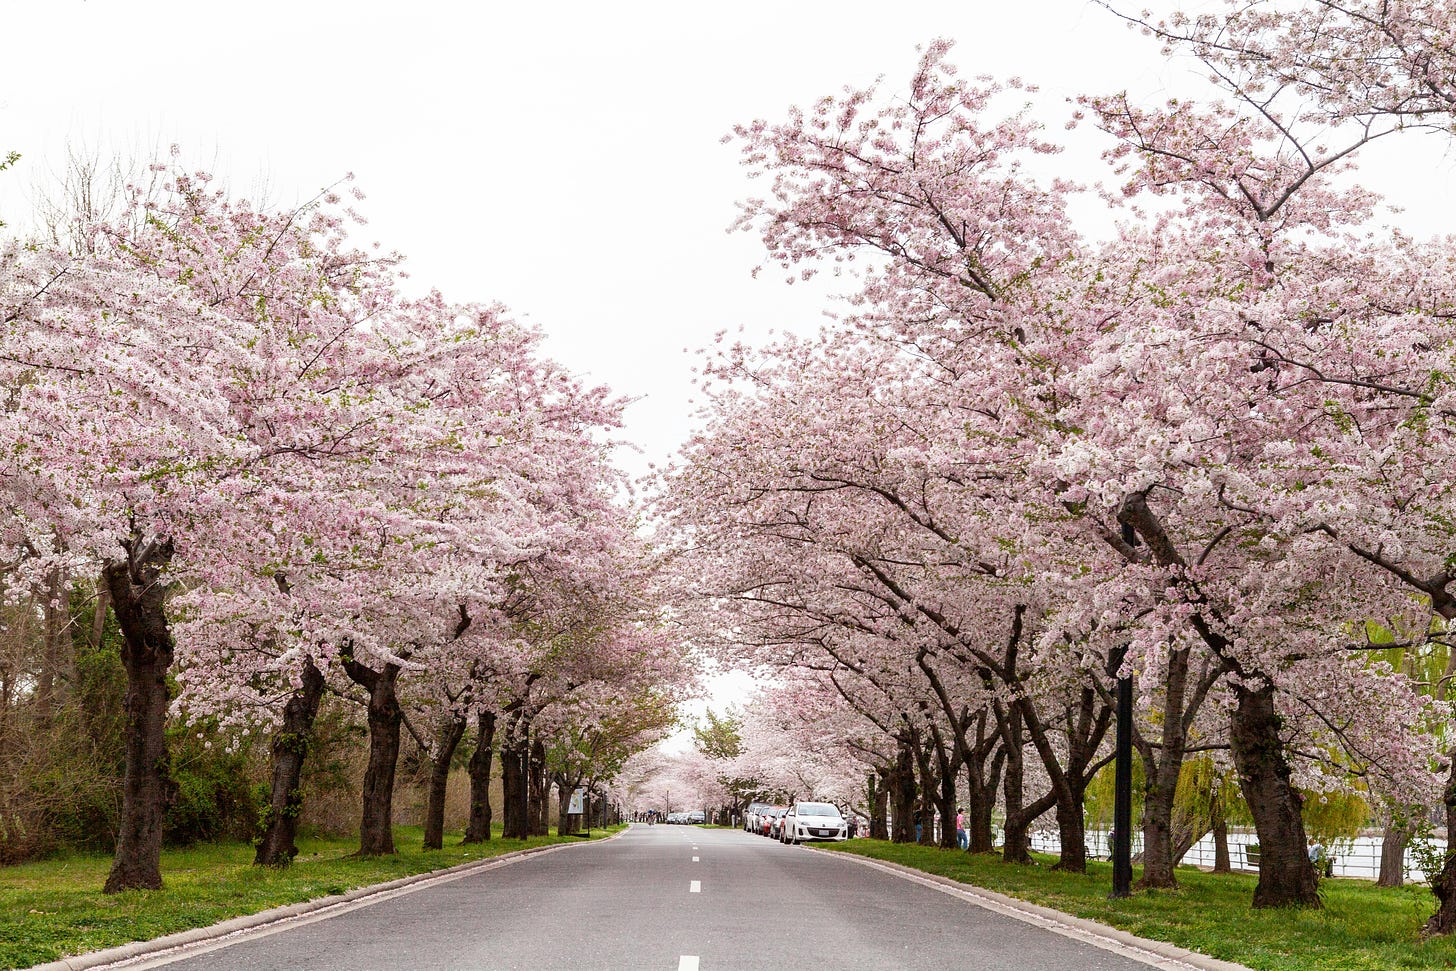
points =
(1050, 342)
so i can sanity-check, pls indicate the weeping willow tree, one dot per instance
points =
(1207, 796)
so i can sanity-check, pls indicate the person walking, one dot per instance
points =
(963, 839)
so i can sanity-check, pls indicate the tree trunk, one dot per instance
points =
(276, 845)
(1392, 855)
(981, 801)
(879, 809)
(539, 806)
(947, 808)
(1163, 765)
(477, 830)
(56, 615)
(513, 788)
(1016, 844)
(98, 615)
(901, 782)
(376, 823)
(1159, 792)
(138, 595)
(1286, 876)
(567, 822)
(1016, 847)
(1221, 862)
(1072, 834)
(446, 742)
(1187, 837)
(1443, 921)
(925, 801)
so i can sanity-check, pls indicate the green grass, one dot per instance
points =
(1361, 928)
(55, 907)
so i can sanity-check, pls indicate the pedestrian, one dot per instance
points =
(919, 822)
(1320, 859)
(963, 840)
(853, 825)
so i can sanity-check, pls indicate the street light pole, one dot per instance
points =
(1122, 779)
(1122, 784)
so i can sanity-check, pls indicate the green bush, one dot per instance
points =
(217, 792)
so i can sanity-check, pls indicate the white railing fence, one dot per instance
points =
(1358, 857)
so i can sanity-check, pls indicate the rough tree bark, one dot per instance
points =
(477, 829)
(901, 783)
(276, 845)
(1443, 921)
(567, 823)
(1016, 842)
(513, 786)
(1162, 767)
(1086, 723)
(540, 791)
(446, 741)
(1286, 876)
(879, 806)
(1142, 532)
(984, 762)
(138, 596)
(376, 823)
(949, 764)
(1221, 863)
(981, 803)
(1392, 854)
(925, 805)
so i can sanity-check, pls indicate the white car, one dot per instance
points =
(750, 816)
(807, 821)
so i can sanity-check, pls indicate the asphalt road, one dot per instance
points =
(658, 898)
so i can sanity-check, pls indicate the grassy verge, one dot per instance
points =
(1361, 928)
(55, 907)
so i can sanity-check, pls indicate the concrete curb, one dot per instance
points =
(346, 901)
(1158, 954)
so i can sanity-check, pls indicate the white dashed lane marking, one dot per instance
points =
(695, 887)
(688, 962)
(695, 859)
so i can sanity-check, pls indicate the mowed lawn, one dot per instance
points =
(55, 907)
(1361, 928)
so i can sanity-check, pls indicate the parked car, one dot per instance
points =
(786, 824)
(776, 821)
(805, 821)
(696, 818)
(766, 820)
(750, 816)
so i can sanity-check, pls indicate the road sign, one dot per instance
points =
(578, 798)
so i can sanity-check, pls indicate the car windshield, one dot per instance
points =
(817, 809)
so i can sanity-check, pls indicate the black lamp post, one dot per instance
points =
(1122, 779)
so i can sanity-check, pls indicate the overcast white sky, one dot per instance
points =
(563, 158)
